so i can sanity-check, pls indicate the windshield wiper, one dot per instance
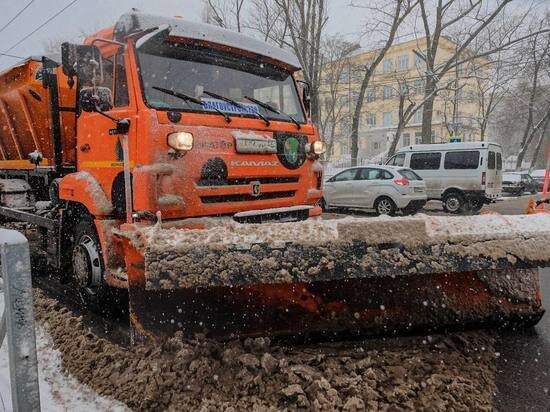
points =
(186, 98)
(274, 110)
(237, 104)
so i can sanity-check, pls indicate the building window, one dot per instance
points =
(419, 62)
(403, 62)
(418, 116)
(387, 92)
(371, 119)
(403, 89)
(344, 76)
(344, 99)
(419, 86)
(371, 95)
(388, 66)
(433, 136)
(418, 138)
(406, 139)
(387, 119)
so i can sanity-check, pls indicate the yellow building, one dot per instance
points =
(456, 113)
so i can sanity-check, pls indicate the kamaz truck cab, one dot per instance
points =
(215, 124)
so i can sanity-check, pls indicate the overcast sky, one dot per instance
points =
(90, 15)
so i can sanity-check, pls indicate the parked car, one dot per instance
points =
(538, 176)
(384, 189)
(518, 183)
(464, 176)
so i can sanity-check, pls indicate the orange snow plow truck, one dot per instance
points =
(176, 161)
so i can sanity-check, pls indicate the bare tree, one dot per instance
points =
(408, 107)
(539, 53)
(335, 53)
(542, 137)
(305, 25)
(224, 13)
(386, 20)
(267, 19)
(471, 18)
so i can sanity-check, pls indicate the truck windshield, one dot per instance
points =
(195, 71)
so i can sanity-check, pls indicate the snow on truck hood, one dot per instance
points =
(132, 22)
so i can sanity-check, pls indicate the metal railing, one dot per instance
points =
(18, 321)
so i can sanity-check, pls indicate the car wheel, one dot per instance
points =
(519, 192)
(453, 203)
(385, 206)
(323, 204)
(534, 191)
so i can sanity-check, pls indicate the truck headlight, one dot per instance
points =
(317, 148)
(182, 141)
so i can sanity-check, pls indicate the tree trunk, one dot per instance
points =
(542, 137)
(395, 141)
(525, 146)
(357, 117)
(427, 111)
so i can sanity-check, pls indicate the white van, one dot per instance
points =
(464, 176)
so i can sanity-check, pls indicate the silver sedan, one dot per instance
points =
(384, 189)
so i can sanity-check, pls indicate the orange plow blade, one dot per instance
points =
(336, 277)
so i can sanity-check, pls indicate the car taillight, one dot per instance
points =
(402, 181)
(483, 177)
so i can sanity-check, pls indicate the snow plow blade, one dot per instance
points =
(331, 277)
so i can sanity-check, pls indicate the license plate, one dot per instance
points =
(418, 189)
(255, 145)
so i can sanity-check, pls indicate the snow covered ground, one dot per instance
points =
(58, 391)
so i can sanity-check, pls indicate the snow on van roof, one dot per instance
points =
(132, 22)
(447, 146)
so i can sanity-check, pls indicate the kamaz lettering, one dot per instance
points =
(254, 163)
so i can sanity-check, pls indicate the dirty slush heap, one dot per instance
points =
(456, 371)
(228, 253)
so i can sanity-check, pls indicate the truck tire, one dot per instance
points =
(385, 206)
(87, 267)
(453, 202)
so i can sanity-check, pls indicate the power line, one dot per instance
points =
(12, 56)
(16, 16)
(42, 25)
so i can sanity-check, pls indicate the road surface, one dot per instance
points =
(523, 364)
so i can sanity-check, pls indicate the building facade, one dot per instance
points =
(456, 113)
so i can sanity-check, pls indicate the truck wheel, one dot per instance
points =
(87, 264)
(453, 203)
(384, 206)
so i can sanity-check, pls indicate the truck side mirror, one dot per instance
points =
(82, 61)
(306, 95)
(95, 99)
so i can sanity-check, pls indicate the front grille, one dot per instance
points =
(247, 181)
(246, 197)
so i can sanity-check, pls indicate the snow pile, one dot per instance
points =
(96, 192)
(453, 372)
(228, 253)
(59, 391)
